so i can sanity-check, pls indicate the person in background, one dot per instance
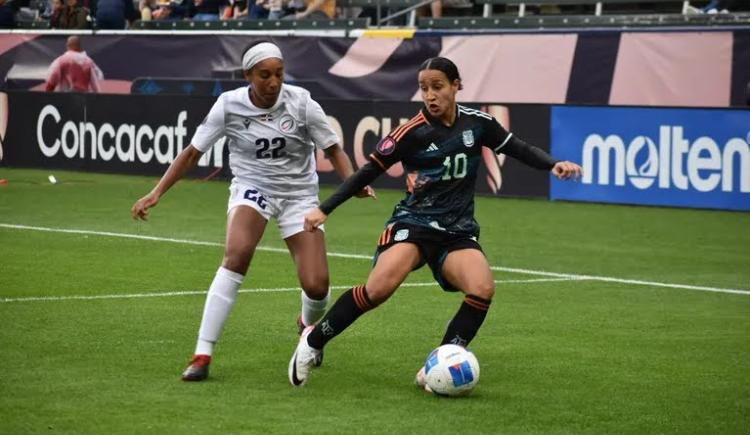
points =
(55, 13)
(275, 8)
(74, 71)
(115, 14)
(240, 9)
(208, 10)
(317, 9)
(7, 15)
(73, 16)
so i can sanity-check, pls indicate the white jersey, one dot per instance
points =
(272, 149)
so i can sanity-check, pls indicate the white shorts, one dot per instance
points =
(289, 213)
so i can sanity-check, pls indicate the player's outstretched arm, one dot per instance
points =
(343, 166)
(357, 182)
(185, 161)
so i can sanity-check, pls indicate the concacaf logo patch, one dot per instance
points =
(287, 124)
(386, 146)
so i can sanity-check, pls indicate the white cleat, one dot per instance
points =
(421, 380)
(303, 360)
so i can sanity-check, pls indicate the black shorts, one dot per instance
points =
(434, 246)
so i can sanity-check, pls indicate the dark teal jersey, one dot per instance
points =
(441, 165)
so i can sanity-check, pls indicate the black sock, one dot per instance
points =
(466, 322)
(347, 308)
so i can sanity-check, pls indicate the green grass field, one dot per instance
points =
(96, 328)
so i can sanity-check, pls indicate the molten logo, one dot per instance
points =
(674, 162)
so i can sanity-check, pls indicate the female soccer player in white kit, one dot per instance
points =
(272, 132)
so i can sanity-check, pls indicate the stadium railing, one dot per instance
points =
(586, 21)
(386, 5)
(349, 23)
(598, 4)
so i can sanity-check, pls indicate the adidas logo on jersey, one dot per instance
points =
(432, 147)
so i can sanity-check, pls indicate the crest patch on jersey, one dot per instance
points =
(246, 122)
(468, 138)
(386, 146)
(287, 124)
(402, 234)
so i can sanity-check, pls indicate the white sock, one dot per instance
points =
(312, 309)
(219, 301)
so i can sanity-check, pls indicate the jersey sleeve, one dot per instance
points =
(393, 148)
(502, 141)
(497, 136)
(212, 127)
(320, 129)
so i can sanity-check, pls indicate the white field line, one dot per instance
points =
(250, 290)
(368, 257)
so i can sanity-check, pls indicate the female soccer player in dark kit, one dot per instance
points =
(272, 131)
(441, 151)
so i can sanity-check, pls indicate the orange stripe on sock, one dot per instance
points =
(354, 295)
(476, 304)
(357, 297)
(360, 299)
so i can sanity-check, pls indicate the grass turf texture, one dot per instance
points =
(556, 357)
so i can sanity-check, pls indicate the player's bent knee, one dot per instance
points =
(316, 288)
(236, 262)
(379, 294)
(485, 290)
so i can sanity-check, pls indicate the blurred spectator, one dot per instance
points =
(55, 13)
(275, 8)
(715, 6)
(178, 10)
(147, 8)
(240, 9)
(74, 71)
(155, 10)
(73, 16)
(114, 14)
(7, 15)
(257, 11)
(208, 10)
(451, 8)
(317, 9)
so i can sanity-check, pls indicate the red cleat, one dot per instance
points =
(198, 368)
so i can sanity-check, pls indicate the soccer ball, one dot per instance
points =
(451, 370)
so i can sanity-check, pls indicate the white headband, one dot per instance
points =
(260, 52)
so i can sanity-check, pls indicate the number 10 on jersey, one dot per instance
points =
(458, 165)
